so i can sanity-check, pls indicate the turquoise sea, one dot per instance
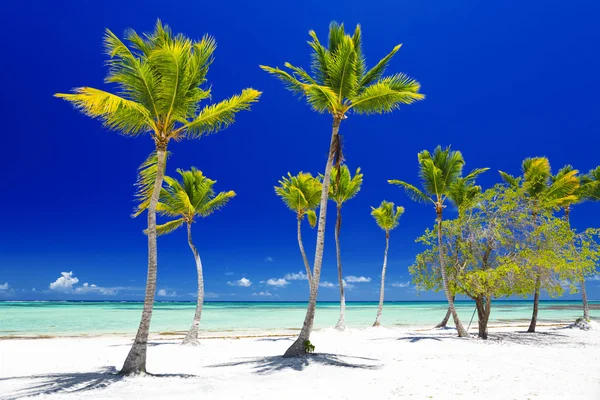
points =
(93, 318)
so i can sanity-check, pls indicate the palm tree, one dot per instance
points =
(301, 193)
(461, 194)
(185, 200)
(339, 85)
(439, 172)
(387, 219)
(544, 194)
(343, 187)
(159, 78)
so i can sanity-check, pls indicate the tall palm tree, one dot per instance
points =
(387, 219)
(185, 200)
(339, 85)
(439, 172)
(159, 78)
(343, 187)
(302, 194)
(544, 193)
(461, 194)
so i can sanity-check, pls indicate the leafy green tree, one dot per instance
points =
(439, 172)
(301, 193)
(159, 78)
(387, 219)
(341, 84)
(544, 193)
(343, 187)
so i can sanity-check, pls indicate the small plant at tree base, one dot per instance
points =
(308, 346)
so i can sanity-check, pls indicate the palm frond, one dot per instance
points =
(379, 69)
(412, 192)
(218, 202)
(346, 186)
(386, 217)
(312, 217)
(509, 179)
(290, 82)
(145, 182)
(382, 98)
(168, 227)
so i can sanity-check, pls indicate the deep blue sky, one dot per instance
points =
(504, 80)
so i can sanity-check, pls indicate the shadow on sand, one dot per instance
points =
(267, 365)
(73, 382)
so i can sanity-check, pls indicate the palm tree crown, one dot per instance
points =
(301, 193)
(346, 186)
(340, 80)
(385, 216)
(159, 77)
(591, 185)
(189, 198)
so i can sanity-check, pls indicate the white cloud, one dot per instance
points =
(241, 282)
(347, 285)
(327, 284)
(594, 278)
(277, 282)
(269, 259)
(64, 283)
(4, 287)
(300, 276)
(265, 294)
(401, 284)
(87, 288)
(167, 293)
(357, 279)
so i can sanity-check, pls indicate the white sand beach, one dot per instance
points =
(382, 363)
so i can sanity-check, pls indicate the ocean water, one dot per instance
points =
(94, 318)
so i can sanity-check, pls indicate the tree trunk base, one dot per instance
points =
(296, 349)
(190, 342)
(135, 363)
(376, 324)
(340, 326)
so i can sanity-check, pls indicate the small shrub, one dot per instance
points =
(308, 346)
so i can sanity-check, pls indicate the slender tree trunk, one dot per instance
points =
(536, 302)
(483, 304)
(304, 258)
(381, 289)
(586, 307)
(192, 336)
(446, 318)
(462, 332)
(341, 324)
(298, 348)
(136, 359)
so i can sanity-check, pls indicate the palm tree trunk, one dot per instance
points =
(298, 348)
(462, 332)
(483, 304)
(446, 318)
(536, 302)
(191, 338)
(136, 359)
(586, 307)
(304, 258)
(341, 324)
(381, 289)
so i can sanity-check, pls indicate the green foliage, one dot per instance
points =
(591, 185)
(184, 200)
(301, 193)
(385, 216)
(340, 81)
(308, 346)
(346, 186)
(159, 78)
(145, 182)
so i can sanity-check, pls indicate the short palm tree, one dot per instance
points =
(185, 200)
(301, 193)
(461, 194)
(439, 172)
(159, 78)
(387, 219)
(544, 193)
(343, 187)
(341, 84)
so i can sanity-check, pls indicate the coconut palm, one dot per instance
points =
(343, 187)
(544, 193)
(387, 219)
(439, 172)
(159, 78)
(301, 193)
(461, 194)
(341, 84)
(185, 200)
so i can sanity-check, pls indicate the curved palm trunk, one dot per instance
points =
(462, 332)
(385, 253)
(341, 324)
(136, 359)
(192, 336)
(304, 258)
(586, 307)
(536, 303)
(297, 348)
(446, 318)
